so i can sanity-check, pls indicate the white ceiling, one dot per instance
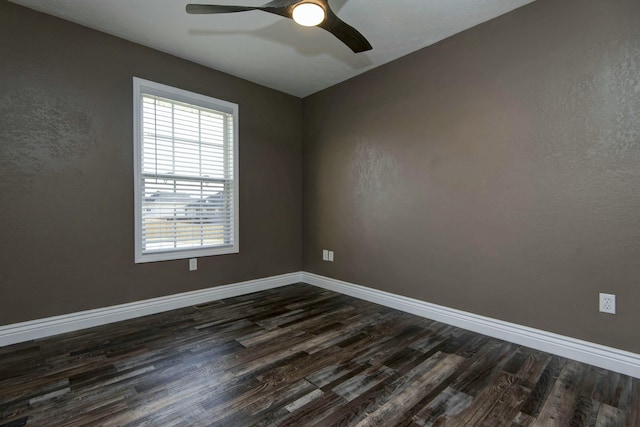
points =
(274, 51)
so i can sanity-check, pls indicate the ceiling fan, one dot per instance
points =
(305, 12)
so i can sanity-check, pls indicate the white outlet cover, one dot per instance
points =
(608, 303)
(331, 256)
(325, 255)
(193, 264)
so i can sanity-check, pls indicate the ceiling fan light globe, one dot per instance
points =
(308, 14)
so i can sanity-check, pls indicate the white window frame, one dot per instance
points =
(140, 87)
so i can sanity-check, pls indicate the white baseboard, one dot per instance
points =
(25, 331)
(583, 351)
(594, 354)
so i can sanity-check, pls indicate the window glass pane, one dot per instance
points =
(179, 214)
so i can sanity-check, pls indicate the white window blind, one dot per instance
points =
(186, 174)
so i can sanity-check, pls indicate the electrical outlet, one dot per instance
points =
(608, 303)
(193, 264)
(327, 255)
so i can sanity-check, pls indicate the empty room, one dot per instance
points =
(320, 213)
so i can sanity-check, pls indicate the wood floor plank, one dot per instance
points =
(608, 416)
(501, 402)
(312, 413)
(483, 367)
(541, 390)
(411, 393)
(448, 404)
(560, 406)
(360, 383)
(634, 409)
(300, 356)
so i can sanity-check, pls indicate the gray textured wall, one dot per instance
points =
(496, 172)
(66, 171)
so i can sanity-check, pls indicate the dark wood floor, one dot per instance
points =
(300, 356)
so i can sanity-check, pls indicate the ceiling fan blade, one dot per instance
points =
(345, 32)
(340, 29)
(210, 8)
(280, 7)
(277, 7)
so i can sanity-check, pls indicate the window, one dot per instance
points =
(186, 173)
